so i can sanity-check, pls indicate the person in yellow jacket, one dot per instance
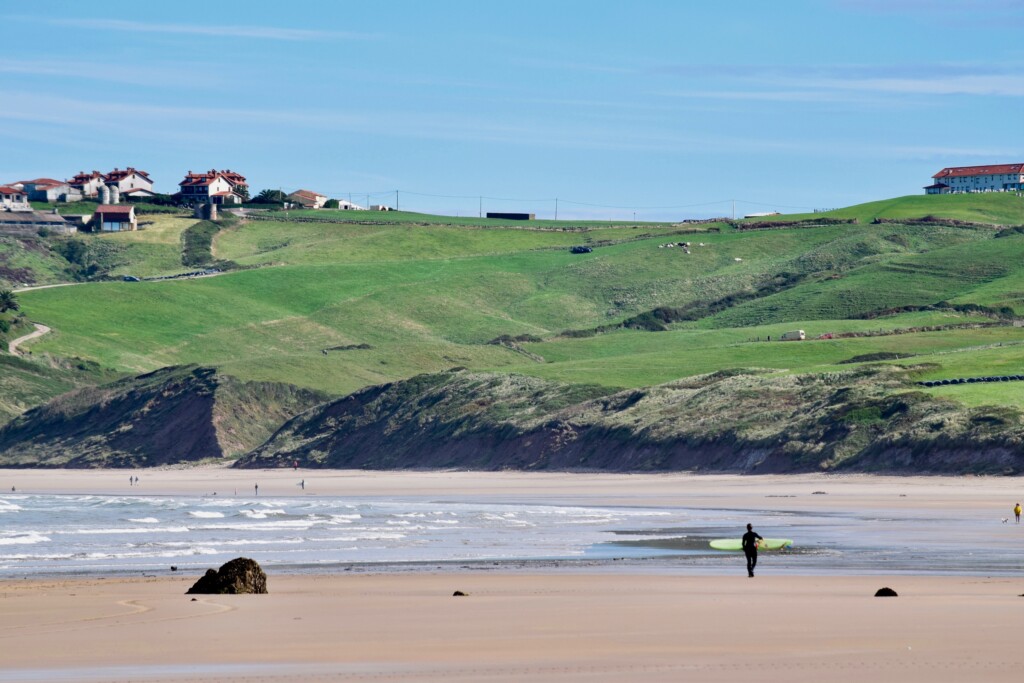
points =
(1016, 512)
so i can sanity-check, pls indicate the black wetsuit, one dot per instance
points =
(750, 550)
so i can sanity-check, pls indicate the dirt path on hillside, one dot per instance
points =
(12, 346)
(30, 289)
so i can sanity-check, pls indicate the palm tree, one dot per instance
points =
(8, 302)
(270, 197)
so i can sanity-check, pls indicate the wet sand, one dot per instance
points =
(551, 625)
(995, 494)
(515, 627)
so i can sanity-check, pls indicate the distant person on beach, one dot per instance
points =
(750, 541)
(257, 489)
(1016, 512)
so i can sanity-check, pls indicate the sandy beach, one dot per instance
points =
(550, 625)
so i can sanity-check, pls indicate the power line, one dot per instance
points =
(558, 200)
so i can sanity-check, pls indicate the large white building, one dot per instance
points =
(213, 187)
(993, 178)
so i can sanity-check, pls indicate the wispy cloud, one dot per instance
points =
(994, 85)
(179, 74)
(215, 31)
(828, 83)
(181, 122)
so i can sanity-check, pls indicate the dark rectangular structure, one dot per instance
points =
(513, 216)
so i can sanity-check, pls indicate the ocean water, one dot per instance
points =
(107, 534)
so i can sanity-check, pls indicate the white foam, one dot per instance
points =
(145, 520)
(362, 537)
(8, 506)
(26, 538)
(128, 530)
(262, 514)
(204, 514)
(298, 524)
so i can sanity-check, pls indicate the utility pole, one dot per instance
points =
(556, 208)
(481, 207)
(734, 209)
(396, 200)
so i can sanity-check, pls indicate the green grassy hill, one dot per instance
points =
(996, 207)
(352, 299)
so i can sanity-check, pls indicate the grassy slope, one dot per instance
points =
(427, 298)
(155, 249)
(28, 260)
(998, 208)
(24, 384)
(409, 217)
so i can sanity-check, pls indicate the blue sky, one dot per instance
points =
(665, 110)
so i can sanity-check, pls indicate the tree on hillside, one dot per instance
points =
(243, 192)
(269, 197)
(8, 302)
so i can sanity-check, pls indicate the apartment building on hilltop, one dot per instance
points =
(991, 178)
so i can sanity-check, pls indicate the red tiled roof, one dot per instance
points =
(84, 177)
(42, 181)
(7, 189)
(133, 190)
(119, 174)
(234, 178)
(306, 194)
(200, 179)
(114, 209)
(994, 169)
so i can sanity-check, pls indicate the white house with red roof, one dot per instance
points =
(114, 218)
(213, 187)
(13, 199)
(130, 181)
(991, 178)
(88, 184)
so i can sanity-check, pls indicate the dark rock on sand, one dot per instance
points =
(885, 593)
(458, 594)
(240, 575)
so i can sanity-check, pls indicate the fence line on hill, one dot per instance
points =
(552, 203)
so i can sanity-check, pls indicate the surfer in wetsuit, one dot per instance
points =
(750, 540)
